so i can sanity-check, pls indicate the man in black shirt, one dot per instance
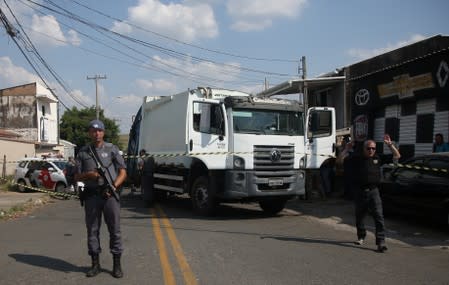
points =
(366, 176)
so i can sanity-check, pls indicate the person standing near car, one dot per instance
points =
(97, 202)
(439, 145)
(70, 173)
(366, 176)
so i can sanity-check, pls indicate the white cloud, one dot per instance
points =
(184, 22)
(250, 15)
(361, 54)
(46, 31)
(73, 38)
(80, 97)
(156, 85)
(201, 73)
(13, 75)
(129, 99)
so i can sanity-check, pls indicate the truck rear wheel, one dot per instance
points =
(273, 206)
(203, 196)
(147, 182)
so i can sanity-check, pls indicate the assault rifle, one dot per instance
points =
(107, 186)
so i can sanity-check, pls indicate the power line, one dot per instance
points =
(32, 49)
(181, 42)
(64, 12)
(14, 34)
(170, 67)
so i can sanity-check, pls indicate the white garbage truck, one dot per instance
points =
(219, 145)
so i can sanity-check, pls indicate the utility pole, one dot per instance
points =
(97, 77)
(304, 77)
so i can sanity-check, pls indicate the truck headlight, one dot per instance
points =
(302, 162)
(239, 163)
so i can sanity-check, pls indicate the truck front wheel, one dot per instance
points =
(203, 197)
(273, 206)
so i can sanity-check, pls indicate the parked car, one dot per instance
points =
(41, 173)
(420, 188)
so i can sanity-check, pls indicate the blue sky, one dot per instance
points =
(157, 48)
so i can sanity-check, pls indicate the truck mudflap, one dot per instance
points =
(253, 184)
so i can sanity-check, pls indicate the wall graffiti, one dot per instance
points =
(18, 112)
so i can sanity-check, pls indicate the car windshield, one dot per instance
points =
(60, 164)
(272, 122)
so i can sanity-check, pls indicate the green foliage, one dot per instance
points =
(74, 126)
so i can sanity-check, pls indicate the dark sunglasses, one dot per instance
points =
(370, 148)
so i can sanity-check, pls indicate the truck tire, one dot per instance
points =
(147, 182)
(273, 206)
(203, 197)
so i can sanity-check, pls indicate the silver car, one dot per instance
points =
(41, 173)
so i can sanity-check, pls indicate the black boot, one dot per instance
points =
(117, 270)
(95, 269)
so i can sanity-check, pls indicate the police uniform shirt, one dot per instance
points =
(109, 156)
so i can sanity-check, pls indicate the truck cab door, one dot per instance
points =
(208, 132)
(320, 136)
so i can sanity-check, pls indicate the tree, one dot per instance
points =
(74, 123)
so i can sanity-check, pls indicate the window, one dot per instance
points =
(320, 124)
(392, 128)
(208, 118)
(271, 122)
(424, 128)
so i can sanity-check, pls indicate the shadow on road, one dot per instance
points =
(349, 244)
(47, 262)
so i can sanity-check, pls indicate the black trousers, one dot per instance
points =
(368, 201)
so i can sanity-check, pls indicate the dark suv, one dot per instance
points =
(419, 187)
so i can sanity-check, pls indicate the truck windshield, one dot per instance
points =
(270, 122)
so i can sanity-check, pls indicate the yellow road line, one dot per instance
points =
(189, 277)
(169, 278)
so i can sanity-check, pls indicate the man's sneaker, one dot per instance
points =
(382, 248)
(360, 241)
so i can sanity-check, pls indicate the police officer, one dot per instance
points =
(97, 201)
(365, 174)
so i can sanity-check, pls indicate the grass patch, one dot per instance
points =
(24, 209)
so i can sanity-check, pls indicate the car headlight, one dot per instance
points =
(239, 163)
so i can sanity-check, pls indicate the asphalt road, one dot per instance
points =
(308, 243)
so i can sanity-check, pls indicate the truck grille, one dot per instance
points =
(273, 167)
(268, 157)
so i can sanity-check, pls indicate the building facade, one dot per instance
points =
(29, 125)
(404, 93)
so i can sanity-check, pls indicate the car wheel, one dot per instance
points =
(60, 187)
(272, 206)
(21, 186)
(203, 198)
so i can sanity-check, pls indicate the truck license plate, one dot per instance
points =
(275, 182)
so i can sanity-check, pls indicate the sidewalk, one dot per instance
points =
(340, 214)
(11, 199)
